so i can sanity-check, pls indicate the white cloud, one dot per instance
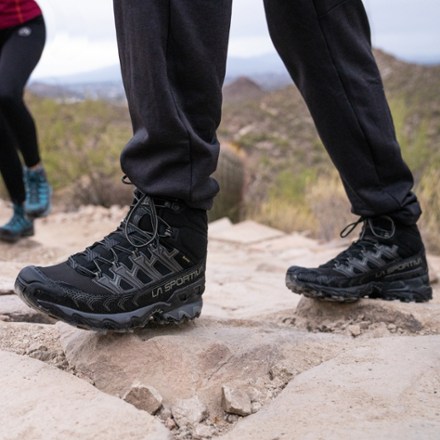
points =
(66, 54)
(92, 18)
(245, 47)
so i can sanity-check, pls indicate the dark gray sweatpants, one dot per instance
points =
(173, 56)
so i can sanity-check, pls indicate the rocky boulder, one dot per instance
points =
(40, 402)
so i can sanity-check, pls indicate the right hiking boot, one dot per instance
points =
(387, 262)
(38, 193)
(19, 226)
(150, 269)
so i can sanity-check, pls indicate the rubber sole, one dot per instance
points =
(15, 238)
(405, 290)
(39, 214)
(185, 304)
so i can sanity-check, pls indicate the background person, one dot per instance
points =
(22, 39)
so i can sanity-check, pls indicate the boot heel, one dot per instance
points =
(413, 289)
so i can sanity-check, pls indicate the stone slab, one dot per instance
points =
(219, 225)
(41, 402)
(246, 232)
(385, 389)
(8, 273)
(12, 308)
(196, 359)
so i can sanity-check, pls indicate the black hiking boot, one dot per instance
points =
(152, 268)
(386, 262)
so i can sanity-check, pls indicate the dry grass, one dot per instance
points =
(330, 207)
(429, 196)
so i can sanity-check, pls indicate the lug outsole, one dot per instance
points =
(15, 238)
(409, 290)
(39, 214)
(184, 305)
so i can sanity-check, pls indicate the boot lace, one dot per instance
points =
(36, 187)
(127, 239)
(367, 242)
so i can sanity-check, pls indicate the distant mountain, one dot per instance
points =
(54, 91)
(263, 69)
(270, 63)
(104, 75)
(267, 70)
(241, 89)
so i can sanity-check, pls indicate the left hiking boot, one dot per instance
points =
(387, 262)
(38, 193)
(19, 226)
(150, 269)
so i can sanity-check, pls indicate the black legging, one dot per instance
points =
(20, 51)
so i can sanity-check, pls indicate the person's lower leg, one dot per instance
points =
(18, 59)
(174, 94)
(152, 267)
(10, 165)
(326, 48)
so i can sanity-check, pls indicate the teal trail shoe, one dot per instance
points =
(38, 193)
(18, 226)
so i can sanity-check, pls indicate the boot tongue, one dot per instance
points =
(161, 214)
(141, 214)
(143, 218)
(380, 228)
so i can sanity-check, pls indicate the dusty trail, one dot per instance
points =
(261, 362)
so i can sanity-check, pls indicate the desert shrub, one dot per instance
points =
(428, 192)
(80, 145)
(328, 202)
(96, 188)
(412, 134)
(284, 207)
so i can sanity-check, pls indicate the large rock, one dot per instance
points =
(12, 308)
(144, 398)
(39, 341)
(8, 273)
(42, 402)
(244, 283)
(386, 389)
(197, 359)
(6, 286)
(236, 401)
(368, 317)
(189, 412)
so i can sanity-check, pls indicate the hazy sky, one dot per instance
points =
(81, 33)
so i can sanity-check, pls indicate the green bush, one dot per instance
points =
(80, 145)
